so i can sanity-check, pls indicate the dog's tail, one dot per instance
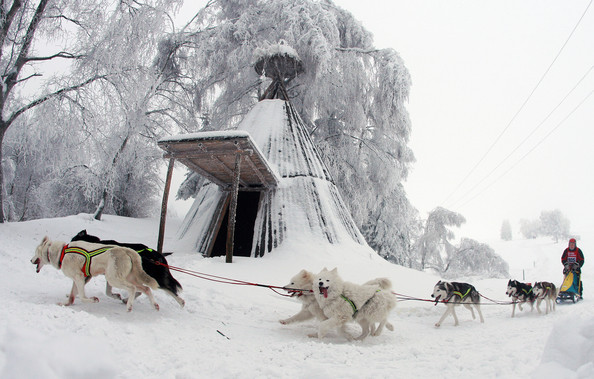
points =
(137, 272)
(383, 283)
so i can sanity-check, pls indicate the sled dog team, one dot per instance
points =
(136, 268)
(335, 303)
(527, 293)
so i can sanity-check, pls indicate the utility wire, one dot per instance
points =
(521, 107)
(523, 141)
(530, 151)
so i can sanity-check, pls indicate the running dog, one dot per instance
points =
(342, 302)
(301, 287)
(520, 293)
(545, 291)
(153, 263)
(81, 260)
(453, 294)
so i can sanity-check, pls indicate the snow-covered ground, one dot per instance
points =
(231, 331)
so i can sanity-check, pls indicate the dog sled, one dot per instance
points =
(571, 289)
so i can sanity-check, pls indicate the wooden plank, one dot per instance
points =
(164, 206)
(233, 211)
(215, 226)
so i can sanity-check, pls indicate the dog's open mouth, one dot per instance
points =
(323, 291)
(437, 299)
(38, 263)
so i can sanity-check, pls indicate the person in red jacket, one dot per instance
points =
(573, 260)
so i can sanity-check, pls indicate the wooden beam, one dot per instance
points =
(230, 172)
(164, 206)
(233, 211)
(256, 171)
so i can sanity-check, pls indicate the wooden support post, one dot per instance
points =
(164, 205)
(233, 211)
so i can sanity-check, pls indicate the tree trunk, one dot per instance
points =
(3, 128)
(103, 201)
(101, 206)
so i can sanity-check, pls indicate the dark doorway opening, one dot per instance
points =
(247, 210)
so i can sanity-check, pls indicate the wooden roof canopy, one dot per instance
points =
(213, 155)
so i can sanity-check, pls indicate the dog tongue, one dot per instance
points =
(324, 291)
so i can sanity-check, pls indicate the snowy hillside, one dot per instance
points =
(230, 331)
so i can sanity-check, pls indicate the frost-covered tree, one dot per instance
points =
(506, 231)
(554, 224)
(433, 246)
(27, 28)
(391, 237)
(472, 258)
(550, 223)
(529, 228)
(352, 96)
(104, 150)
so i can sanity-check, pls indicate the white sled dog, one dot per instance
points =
(301, 287)
(342, 302)
(545, 291)
(452, 294)
(81, 260)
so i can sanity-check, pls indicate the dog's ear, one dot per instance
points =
(44, 240)
(335, 271)
(448, 286)
(306, 275)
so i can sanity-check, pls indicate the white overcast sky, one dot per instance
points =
(473, 65)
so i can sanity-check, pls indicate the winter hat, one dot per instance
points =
(572, 240)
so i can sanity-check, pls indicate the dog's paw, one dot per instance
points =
(437, 324)
(284, 322)
(157, 306)
(313, 335)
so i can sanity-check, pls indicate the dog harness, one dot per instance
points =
(457, 293)
(352, 304)
(86, 269)
(547, 289)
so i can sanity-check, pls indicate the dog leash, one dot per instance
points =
(222, 279)
(298, 292)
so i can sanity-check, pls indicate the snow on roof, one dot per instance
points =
(222, 134)
(280, 48)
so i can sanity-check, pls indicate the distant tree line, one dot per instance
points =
(550, 224)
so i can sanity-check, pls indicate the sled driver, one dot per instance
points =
(572, 259)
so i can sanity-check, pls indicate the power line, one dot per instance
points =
(524, 140)
(521, 107)
(530, 151)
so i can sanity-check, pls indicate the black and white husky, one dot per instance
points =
(520, 293)
(545, 291)
(454, 293)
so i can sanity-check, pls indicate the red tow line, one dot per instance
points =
(221, 279)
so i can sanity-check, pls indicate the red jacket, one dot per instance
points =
(572, 256)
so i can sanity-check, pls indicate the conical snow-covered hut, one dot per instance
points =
(292, 195)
